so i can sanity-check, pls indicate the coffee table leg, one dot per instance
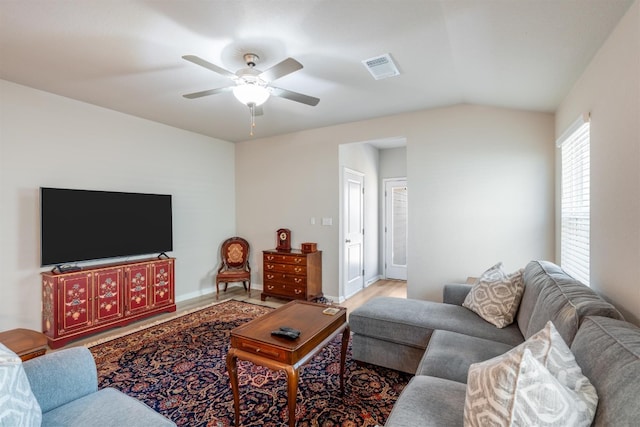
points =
(292, 393)
(232, 368)
(343, 355)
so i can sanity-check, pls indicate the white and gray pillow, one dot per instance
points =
(495, 296)
(18, 405)
(536, 383)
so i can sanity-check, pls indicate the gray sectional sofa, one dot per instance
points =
(65, 384)
(439, 341)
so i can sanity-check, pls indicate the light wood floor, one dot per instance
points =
(392, 288)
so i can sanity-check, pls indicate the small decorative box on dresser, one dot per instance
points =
(292, 274)
(84, 302)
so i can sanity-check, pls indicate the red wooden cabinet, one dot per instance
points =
(82, 303)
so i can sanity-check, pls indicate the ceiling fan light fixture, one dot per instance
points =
(251, 93)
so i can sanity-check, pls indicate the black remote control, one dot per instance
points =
(285, 334)
(288, 329)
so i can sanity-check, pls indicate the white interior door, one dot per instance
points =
(396, 229)
(353, 215)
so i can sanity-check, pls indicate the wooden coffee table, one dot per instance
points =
(253, 342)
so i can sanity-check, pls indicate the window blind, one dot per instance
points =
(575, 201)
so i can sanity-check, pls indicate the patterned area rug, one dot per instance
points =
(179, 369)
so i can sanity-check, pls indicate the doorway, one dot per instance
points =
(353, 215)
(396, 201)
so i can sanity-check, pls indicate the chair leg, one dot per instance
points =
(225, 286)
(217, 290)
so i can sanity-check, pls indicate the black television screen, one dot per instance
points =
(80, 225)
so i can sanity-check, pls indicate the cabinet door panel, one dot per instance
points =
(137, 284)
(162, 277)
(74, 303)
(108, 296)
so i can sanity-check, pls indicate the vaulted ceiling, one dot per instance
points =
(127, 55)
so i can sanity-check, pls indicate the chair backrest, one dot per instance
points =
(235, 252)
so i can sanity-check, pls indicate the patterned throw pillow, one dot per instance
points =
(496, 296)
(536, 383)
(18, 405)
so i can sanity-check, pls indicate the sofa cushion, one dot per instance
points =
(108, 408)
(516, 387)
(55, 381)
(608, 351)
(411, 322)
(559, 298)
(428, 401)
(535, 278)
(449, 354)
(565, 302)
(18, 405)
(496, 296)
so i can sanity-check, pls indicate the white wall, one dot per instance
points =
(481, 191)
(48, 140)
(482, 185)
(393, 163)
(609, 89)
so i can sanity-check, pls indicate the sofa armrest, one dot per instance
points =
(455, 293)
(61, 377)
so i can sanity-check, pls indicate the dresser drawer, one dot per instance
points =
(285, 268)
(271, 352)
(286, 259)
(288, 279)
(284, 289)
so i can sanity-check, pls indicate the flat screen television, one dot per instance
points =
(81, 225)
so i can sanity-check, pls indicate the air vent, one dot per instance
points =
(381, 67)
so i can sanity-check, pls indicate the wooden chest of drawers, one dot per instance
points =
(292, 274)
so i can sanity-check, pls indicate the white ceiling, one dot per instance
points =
(126, 55)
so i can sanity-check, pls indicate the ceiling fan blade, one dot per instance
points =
(208, 92)
(281, 69)
(294, 96)
(208, 65)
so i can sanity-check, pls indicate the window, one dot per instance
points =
(575, 200)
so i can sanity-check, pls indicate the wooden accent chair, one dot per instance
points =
(234, 253)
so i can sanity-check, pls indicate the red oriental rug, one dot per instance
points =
(179, 369)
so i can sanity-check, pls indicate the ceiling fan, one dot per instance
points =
(253, 87)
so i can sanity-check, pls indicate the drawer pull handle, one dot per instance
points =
(270, 287)
(298, 291)
(297, 269)
(270, 266)
(298, 260)
(270, 276)
(270, 257)
(298, 280)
